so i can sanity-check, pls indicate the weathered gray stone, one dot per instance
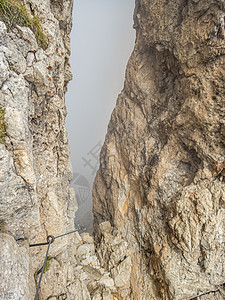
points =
(102, 294)
(14, 269)
(87, 238)
(85, 251)
(36, 197)
(27, 41)
(121, 273)
(4, 71)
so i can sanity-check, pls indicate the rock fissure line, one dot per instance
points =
(141, 256)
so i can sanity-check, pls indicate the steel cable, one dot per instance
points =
(50, 240)
(42, 271)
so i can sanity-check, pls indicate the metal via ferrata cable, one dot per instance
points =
(43, 268)
(141, 255)
(50, 240)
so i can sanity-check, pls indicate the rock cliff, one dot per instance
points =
(35, 169)
(36, 199)
(159, 195)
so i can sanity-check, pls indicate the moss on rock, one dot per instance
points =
(2, 125)
(13, 12)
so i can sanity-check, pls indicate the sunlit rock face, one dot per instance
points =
(161, 178)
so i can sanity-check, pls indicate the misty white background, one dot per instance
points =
(102, 40)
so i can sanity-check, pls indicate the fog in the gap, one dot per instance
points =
(102, 40)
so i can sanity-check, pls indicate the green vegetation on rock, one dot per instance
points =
(47, 264)
(2, 225)
(2, 125)
(46, 268)
(13, 12)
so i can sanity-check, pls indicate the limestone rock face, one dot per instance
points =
(35, 196)
(84, 279)
(14, 260)
(159, 195)
(36, 199)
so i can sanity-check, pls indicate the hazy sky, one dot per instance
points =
(102, 41)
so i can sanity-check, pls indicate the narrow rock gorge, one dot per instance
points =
(159, 194)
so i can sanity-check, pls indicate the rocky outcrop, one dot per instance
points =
(85, 279)
(36, 198)
(161, 177)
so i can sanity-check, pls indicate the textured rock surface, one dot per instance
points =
(83, 280)
(161, 176)
(35, 170)
(14, 261)
(36, 198)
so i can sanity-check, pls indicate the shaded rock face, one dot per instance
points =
(36, 199)
(35, 196)
(161, 177)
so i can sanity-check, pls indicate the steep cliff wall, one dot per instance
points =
(159, 195)
(35, 170)
(36, 199)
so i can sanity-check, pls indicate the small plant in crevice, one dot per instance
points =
(2, 225)
(47, 266)
(3, 125)
(36, 277)
(13, 12)
(11, 67)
